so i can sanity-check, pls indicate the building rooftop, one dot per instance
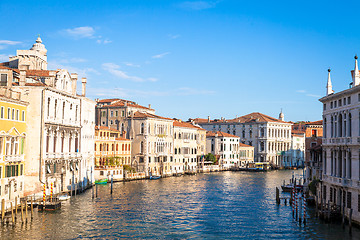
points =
(219, 134)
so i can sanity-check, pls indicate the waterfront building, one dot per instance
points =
(189, 147)
(314, 167)
(269, 136)
(295, 156)
(246, 155)
(112, 153)
(60, 122)
(13, 137)
(152, 143)
(225, 147)
(116, 112)
(341, 138)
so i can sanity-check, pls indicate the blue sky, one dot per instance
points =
(195, 58)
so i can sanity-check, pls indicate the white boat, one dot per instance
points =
(64, 197)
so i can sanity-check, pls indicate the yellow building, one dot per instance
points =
(112, 153)
(12, 140)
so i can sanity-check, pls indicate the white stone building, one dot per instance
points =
(341, 142)
(60, 123)
(224, 146)
(269, 136)
(187, 147)
(152, 146)
(295, 156)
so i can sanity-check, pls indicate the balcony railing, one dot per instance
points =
(14, 158)
(63, 155)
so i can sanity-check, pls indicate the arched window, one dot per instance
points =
(250, 133)
(335, 126)
(350, 127)
(262, 132)
(117, 147)
(142, 128)
(175, 150)
(332, 126)
(262, 146)
(340, 122)
(48, 107)
(55, 108)
(142, 147)
(63, 111)
(243, 133)
(324, 134)
(234, 132)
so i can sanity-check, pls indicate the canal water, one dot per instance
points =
(225, 205)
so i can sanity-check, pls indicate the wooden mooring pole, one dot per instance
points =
(22, 212)
(111, 189)
(26, 207)
(31, 208)
(96, 190)
(277, 195)
(12, 213)
(2, 210)
(92, 192)
(350, 220)
(15, 206)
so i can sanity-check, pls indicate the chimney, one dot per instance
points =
(208, 118)
(83, 82)
(74, 78)
(150, 106)
(22, 80)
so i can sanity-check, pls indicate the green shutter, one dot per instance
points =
(22, 146)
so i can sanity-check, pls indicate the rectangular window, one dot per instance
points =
(3, 80)
(2, 112)
(331, 104)
(348, 199)
(23, 116)
(348, 100)
(17, 115)
(9, 113)
(335, 104)
(13, 114)
(116, 113)
(339, 102)
(22, 169)
(111, 113)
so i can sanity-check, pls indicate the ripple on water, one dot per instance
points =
(226, 205)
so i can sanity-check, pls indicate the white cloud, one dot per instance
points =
(313, 95)
(198, 5)
(86, 72)
(4, 57)
(152, 79)
(172, 36)
(114, 69)
(192, 91)
(100, 41)
(5, 43)
(80, 32)
(308, 94)
(161, 55)
(131, 93)
(129, 64)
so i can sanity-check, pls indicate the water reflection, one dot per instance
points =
(227, 205)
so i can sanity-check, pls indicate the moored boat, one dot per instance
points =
(64, 197)
(101, 181)
(154, 177)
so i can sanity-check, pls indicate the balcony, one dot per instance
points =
(63, 155)
(14, 158)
